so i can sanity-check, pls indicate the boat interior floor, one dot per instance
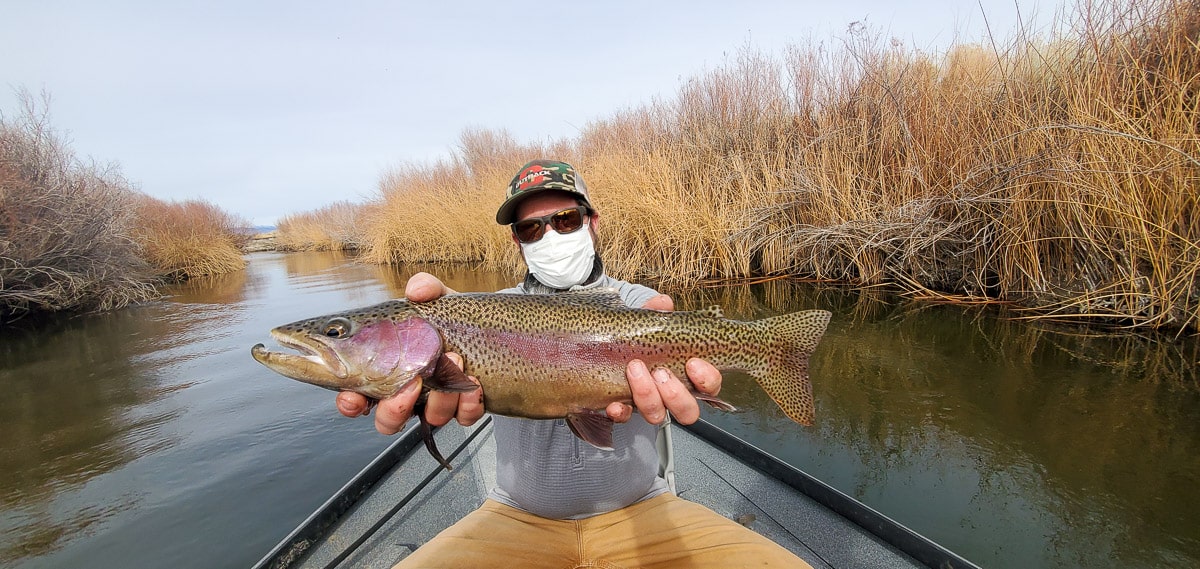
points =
(704, 474)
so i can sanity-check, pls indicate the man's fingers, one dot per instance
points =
(705, 376)
(661, 302)
(352, 404)
(467, 408)
(470, 406)
(619, 412)
(423, 287)
(645, 392)
(440, 407)
(676, 397)
(395, 411)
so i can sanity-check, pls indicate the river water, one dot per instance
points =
(148, 437)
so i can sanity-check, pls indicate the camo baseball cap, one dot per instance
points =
(539, 176)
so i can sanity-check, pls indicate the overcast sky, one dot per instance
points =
(270, 108)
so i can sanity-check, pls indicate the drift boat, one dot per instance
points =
(404, 497)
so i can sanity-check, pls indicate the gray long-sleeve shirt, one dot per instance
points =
(544, 469)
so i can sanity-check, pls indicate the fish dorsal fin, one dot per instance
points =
(714, 311)
(593, 427)
(602, 296)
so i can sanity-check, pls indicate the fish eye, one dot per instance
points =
(337, 328)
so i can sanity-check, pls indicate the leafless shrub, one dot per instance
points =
(63, 225)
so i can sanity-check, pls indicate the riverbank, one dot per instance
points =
(259, 242)
(78, 237)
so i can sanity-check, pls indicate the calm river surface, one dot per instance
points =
(148, 437)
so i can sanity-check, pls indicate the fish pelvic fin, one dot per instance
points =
(593, 427)
(449, 377)
(785, 375)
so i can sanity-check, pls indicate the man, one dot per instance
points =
(561, 502)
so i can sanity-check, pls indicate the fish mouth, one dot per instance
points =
(314, 361)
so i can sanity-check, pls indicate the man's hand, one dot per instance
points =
(655, 393)
(393, 412)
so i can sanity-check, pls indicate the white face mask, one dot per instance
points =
(561, 261)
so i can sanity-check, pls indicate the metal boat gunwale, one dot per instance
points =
(892, 532)
(297, 543)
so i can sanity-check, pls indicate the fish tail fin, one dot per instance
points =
(785, 374)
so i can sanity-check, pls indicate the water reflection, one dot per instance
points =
(315, 269)
(1014, 444)
(459, 277)
(229, 288)
(129, 434)
(310, 264)
(148, 437)
(64, 417)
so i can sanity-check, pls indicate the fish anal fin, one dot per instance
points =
(593, 427)
(447, 376)
(715, 402)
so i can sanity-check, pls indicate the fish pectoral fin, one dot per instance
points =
(447, 376)
(593, 427)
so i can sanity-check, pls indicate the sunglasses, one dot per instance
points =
(563, 221)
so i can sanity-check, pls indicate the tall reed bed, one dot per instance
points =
(1057, 172)
(188, 239)
(445, 211)
(335, 227)
(674, 180)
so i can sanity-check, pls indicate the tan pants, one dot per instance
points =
(665, 531)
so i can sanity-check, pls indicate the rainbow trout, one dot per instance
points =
(542, 356)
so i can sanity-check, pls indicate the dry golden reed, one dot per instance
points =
(334, 227)
(1057, 172)
(188, 239)
(445, 211)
